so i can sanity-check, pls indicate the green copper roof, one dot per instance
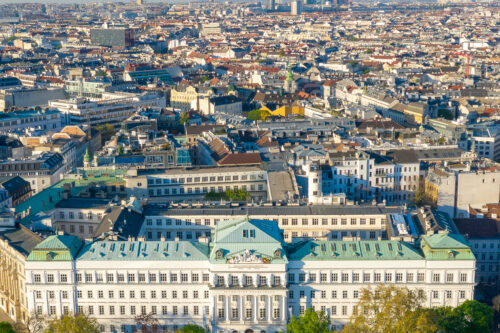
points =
(46, 199)
(445, 246)
(353, 250)
(86, 157)
(144, 250)
(247, 241)
(56, 248)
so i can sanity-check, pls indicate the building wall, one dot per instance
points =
(194, 186)
(13, 299)
(169, 224)
(204, 293)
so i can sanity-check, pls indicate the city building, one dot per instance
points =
(41, 171)
(19, 121)
(18, 189)
(115, 37)
(16, 242)
(28, 97)
(192, 184)
(454, 191)
(213, 284)
(112, 109)
(296, 7)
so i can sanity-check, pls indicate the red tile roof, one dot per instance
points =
(241, 159)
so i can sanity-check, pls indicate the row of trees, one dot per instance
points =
(388, 309)
(81, 323)
(228, 195)
(384, 309)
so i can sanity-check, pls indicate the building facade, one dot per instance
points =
(16, 242)
(189, 184)
(214, 284)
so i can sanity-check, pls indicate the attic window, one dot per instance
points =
(218, 254)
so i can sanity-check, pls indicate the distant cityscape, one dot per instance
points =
(231, 166)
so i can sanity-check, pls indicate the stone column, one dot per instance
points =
(283, 309)
(226, 310)
(269, 307)
(255, 309)
(242, 308)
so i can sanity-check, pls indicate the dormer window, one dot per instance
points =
(218, 254)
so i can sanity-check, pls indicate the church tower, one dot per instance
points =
(290, 85)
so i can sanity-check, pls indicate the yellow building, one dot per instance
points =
(181, 97)
(284, 111)
(16, 242)
(415, 113)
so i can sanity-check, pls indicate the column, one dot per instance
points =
(242, 308)
(214, 310)
(269, 306)
(255, 309)
(226, 310)
(284, 309)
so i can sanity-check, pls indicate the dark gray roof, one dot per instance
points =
(121, 220)
(438, 153)
(13, 183)
(21, 239)
(279, 210)
(83, 203)
(403, 156)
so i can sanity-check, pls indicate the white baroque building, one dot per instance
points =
(246, 279)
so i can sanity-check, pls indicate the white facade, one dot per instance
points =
(112, 109)
(239, 282)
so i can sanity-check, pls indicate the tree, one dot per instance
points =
(107, 131)
(184, 118)
(310, 322)
(6, 327)
(74, 324)
(419, 198)
(445, 113)
(388, 309)
(120, 150)
(191, 328)
(258, 114)
(469, 317)
(35, 323)
(148, 322)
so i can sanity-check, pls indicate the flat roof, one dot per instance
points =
(273, 210)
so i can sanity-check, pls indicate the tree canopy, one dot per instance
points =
(191, 328)
(228, 195)
(389, 309)
(310, 322)
(73, 324)
(258, 114)
(6, 327)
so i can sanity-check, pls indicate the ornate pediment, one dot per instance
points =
(247, 257)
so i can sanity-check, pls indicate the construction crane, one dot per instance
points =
(467, 57)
